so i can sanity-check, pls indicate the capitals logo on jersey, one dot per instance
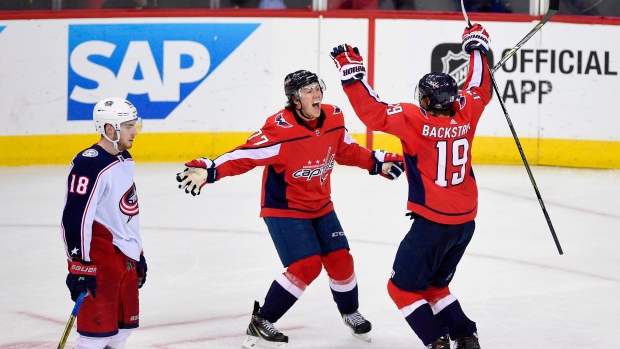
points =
(281, 122)
(318, 169)
(129, 203)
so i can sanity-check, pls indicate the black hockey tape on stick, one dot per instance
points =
(550, 13)
(554, 5)
(76, 308)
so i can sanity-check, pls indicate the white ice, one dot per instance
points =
(211, 256)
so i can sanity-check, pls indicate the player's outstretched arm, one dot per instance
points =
(349, 62)
(197, 173)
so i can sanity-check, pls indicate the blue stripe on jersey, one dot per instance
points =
(275, 189)
(417, 194)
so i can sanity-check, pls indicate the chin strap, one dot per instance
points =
(301, 113)
(114, 143)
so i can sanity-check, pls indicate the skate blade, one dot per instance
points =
(363, 336)
(252, 342)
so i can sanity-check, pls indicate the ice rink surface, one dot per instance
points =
(211, 256)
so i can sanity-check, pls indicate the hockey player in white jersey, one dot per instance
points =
(100, 229)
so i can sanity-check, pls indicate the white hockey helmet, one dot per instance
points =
(114, 111)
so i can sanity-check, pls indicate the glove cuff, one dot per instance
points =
(82, 268)
(351, 73)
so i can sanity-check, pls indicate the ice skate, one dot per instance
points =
(470, 342)
(262, 334)
(358, 325)
(442, 342)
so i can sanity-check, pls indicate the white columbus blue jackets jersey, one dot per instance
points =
(101, 204)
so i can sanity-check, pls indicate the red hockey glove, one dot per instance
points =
(476, 38)
(349, 62)
(141, 269)
(81, 277)
(388, 165)
(197, 173)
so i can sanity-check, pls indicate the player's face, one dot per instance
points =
(310, 100)
(129, 130)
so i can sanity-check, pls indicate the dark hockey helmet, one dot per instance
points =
(441, 89)
(295, 81)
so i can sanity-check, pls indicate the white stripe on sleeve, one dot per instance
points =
(255, 154)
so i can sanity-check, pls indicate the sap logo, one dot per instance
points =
(155, 66)
(2, 28)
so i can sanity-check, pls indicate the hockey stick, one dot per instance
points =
(514, 133)
(554, 5)
(76, 308)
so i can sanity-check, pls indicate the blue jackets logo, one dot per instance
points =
(155, 66)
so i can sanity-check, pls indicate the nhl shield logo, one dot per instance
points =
(456, 65)
(451, 59)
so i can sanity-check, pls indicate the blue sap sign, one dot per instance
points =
(2, 28)
(155, 66)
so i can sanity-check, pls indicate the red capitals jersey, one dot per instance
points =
(437, 150)
(298, 160)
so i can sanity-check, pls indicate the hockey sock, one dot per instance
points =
(280, 298)
(118, 340)
(422, 321)
(448, 310)
(345, 294)
(418, 313)
(84, 342)
(342, 280)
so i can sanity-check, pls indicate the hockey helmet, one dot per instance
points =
(293, 82)
(114, 111)
(441, 89)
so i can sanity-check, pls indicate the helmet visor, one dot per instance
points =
(137, 124)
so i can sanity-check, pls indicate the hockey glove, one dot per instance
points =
(82, 276)
(388, 165)
(475, 38)
(349, 62)
(197, 173)
(141, 269)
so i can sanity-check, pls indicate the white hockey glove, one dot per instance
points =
(475, 38)
(349, 62)
(197, 173)
(388, 165)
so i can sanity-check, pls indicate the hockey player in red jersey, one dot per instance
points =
(100, 229)
(436, 139)
(298, 147)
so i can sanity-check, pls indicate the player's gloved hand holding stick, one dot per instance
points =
(197, 173)
(81, 277)
(388, 165)
(475, 38)
(349, 62)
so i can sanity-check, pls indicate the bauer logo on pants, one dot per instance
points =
(155, 66)
(451, 59)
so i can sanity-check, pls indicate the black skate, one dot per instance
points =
(262, 334)
(442, 342)
(358, 325)
(470, 342)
